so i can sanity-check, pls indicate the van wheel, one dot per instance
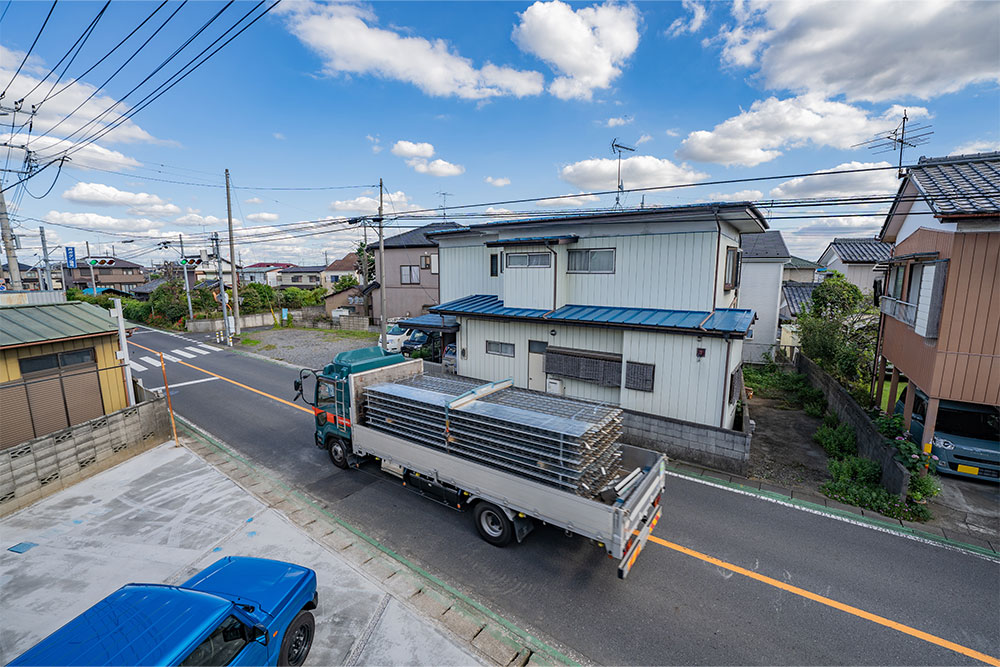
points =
(338, 452)
(297, 640)
(493, 524)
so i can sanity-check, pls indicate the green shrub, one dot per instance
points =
(890, 425)
(831, 420)
(855, 481)
(838, 442)
(137, 311)
(923, 487)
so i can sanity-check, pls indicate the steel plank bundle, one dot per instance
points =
(558, 441)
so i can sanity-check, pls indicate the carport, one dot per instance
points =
(446, 325)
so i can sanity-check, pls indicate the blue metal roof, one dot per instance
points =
(431, 322)
(722, 320)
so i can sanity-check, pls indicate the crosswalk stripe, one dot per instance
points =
(208, 347)
(186, 355)
(152, 361)
(168, 357)
(138, 368)
(195, 349)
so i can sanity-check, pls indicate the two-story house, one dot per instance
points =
(345, 267)
(635, 308)
(941, 308)
(113, 272)
(303, 277)
(411, 272)
(265, 273)
(856, 258)
(764, 258)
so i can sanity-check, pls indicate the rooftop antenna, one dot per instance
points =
(444, 204)
(898, 138)
(618, 148)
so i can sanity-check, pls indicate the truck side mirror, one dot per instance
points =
(298, 386)
(259, 634)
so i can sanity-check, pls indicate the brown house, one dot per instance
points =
(411, 272)
(120, 274)
(941, 309)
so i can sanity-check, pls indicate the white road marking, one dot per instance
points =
(208, 347)
(168, 357)
(152, 361)
(184, 384)
(195, 349)
(138, 368)
(186, 355)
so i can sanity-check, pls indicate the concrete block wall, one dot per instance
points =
(718, 448)
(871, 444)
(39, 467)
(354, 322)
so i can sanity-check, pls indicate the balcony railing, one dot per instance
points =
(900, 310)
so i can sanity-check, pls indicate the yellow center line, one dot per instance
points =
(860, 613)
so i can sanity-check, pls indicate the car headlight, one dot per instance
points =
(943, 444)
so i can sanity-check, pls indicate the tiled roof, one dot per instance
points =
(768, 245)
(148, 288)
(796, 297)
(348, 262)
(861, 250)
(799, 263)
(723, 320)
(417, 238)
(960, 184)
(304, 269)
(21, 325)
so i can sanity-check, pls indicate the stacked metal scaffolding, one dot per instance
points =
(559, 441)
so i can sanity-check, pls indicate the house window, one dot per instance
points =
(296, 279)
(732, 268)
(735, 384)
(434, 264)
(896, 281)
(314, 279)
(503, 349)
(48, 362)
(425, 261)
(592, 261)
(913, 291)
(596, 367)
(409, 274)
(494, 266)
(532, 260)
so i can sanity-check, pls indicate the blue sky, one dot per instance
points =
(488, 102)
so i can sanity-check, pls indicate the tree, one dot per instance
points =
(169, 301)
(344, 282)
(839, 332)
(292, 297)
(362, 250)
(256, 298)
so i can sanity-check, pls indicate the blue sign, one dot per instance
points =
(70, 257)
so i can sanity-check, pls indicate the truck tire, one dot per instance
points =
(297, 641)
(493, 524)
(338, 452)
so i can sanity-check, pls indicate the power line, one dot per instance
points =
(31, 48)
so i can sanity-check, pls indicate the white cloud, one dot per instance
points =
(643, 139)
(155, 210)
(498, 211)
(195, 219)
(498, 182)
(587, 47)
(640, 171)
(404, 148)
(90, 155)
(742, 195)
(872, 50)
(617, 122)
(672, 132)
(436, 167)
(980, 146)
(254, 200)
(97, 222)
(841, 185)
(692, 24)
(106, 195)
(376, 143)
(568, 200)
(394, 201)
(770, 125)
(279, 136)
(347, 39)
(263, 217)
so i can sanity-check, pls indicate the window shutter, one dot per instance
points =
(639, 376)
(932, 280)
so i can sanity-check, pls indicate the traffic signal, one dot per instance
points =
(190, 262)
(101, 262)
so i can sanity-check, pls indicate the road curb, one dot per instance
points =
(484, 632)
(839, 513)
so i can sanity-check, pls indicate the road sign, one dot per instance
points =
(70, 257)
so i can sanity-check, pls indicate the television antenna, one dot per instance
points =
(898, 138)
(618, 148)
(444, 204)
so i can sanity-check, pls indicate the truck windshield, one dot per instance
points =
(220, 647)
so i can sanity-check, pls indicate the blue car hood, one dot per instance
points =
(263, 583)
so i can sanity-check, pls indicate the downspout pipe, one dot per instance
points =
(725, 382)
(555, 275)
(718, 247)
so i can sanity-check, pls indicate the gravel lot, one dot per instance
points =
(309, 348)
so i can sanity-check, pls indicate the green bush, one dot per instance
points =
(137, 311)
(855, 481)
(890, 425)
(923, 487)
(838, 442)
(769, 381)
(831, 420)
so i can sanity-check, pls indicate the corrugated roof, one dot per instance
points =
(431, 322)
(769, 245)
(723, 320)
(536, 240)
(417, 238)
(797, 297)
(799, 263)
(861, 250)
(147, 288)
(960, 184)
(20, 325)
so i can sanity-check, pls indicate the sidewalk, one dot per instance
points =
(167, 513)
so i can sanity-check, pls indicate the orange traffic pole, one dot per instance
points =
(166, 388)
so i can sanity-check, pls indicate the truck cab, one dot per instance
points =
(238, 611)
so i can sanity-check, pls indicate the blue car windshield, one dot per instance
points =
(967, 424)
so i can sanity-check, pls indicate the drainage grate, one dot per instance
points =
(21, 547)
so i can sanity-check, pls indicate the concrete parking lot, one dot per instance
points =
(161, 517)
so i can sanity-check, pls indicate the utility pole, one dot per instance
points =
(232, 260)
(93, 280)
(381, 270)
(8, 243)
(45, 258)
(364, 271)
(222, 288)
(123, 350)
(187, 286)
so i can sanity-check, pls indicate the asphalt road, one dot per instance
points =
(813, 589)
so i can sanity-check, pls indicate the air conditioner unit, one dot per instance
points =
(554, 386)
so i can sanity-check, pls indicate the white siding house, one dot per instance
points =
(637, 308)
(856, 259)
(764, 259)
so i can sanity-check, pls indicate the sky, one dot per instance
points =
(470, 103)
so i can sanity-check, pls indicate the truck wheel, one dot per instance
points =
(493, 524)
(298, 640)
(338, 452)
